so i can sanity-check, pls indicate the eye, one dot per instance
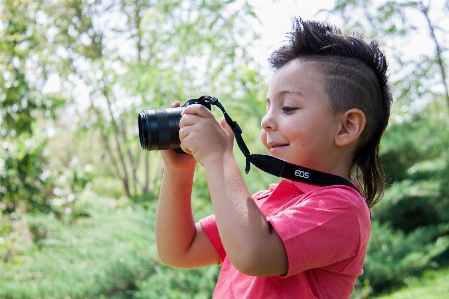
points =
(287, 109)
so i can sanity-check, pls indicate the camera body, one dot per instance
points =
(159, 128)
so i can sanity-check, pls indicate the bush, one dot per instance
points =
(171, 283)
(103, 254)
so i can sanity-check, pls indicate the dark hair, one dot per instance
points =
(355, 76)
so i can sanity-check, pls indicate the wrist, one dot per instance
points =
(178, 162)
(180, 169)
(217, 159)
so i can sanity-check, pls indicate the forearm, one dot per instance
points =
(175, 225)
(250, 243)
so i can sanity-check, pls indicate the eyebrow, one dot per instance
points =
(289, 92)
(283, 92)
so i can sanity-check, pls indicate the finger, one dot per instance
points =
(183, 133)
(188, 120)
(186, 150)
(226, 127)
(175, 104)
(197, 109)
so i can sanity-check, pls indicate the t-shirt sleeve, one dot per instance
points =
(210, 228)
(318, 232)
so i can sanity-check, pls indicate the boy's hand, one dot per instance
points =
(203, 136)
(174, 160)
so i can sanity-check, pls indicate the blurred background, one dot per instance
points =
(77, 193)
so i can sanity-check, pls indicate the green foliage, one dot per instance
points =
(29, 187)
(110, 254)
(128, 56)
(432, 285)
(169, 283)
(412, 33)
(410, 232)
(16, 98)
(104, 254)
(25, 182)
(393, 256)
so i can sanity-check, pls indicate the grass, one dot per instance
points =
(103, 254)
(432, 285)
(108, 253)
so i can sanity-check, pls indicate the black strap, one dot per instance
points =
(278, 167)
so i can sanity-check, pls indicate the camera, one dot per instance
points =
(159, 128)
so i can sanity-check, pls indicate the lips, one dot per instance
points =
(280, 145)
(276, 145)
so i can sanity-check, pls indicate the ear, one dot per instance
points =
(352, 123)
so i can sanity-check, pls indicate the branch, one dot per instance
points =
(439, 55)
(118, 144)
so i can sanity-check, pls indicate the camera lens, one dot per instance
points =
(159, 128)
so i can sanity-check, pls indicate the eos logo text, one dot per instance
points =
(302, 174)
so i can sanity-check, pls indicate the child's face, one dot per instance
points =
(299, 126)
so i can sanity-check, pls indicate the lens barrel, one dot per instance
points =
(159, 128)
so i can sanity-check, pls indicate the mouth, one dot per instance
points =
(275, 146)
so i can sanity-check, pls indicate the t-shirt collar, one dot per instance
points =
(304, 187)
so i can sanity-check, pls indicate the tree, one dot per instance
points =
(134, 55)
(417, 49)
(25, 183)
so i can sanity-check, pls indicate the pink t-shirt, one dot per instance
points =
(325, 231)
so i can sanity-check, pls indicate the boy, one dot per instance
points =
(327, 106)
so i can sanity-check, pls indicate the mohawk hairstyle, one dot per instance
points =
(355, 76)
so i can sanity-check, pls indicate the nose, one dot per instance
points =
(268, 122)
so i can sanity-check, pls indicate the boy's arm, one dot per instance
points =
(180, 242)
(252, 246)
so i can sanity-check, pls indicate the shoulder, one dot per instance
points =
(331, 201)
(333, 197)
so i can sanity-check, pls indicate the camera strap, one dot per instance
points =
(278, 167)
